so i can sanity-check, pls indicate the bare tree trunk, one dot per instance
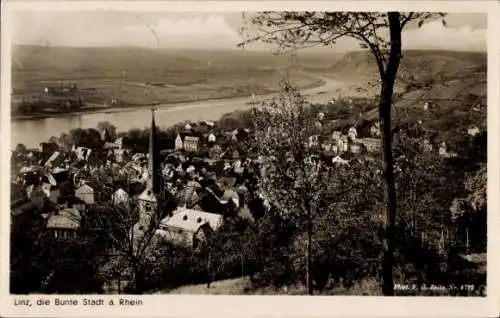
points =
(385, 105)
(138, 280)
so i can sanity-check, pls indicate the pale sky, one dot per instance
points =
(207, 30)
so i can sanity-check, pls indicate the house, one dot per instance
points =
(335, 148)
(211, 138)
(355, 147)
(54, 160)
(313, 141)
(85, 193)
(120, 197)
(473, 130)
(231, 195)
(340, 161)
(64, 223)
(215, 152)
(191, 143)
(327, 147)
(187, 227)
(442, 149)
(178, 143)
(342, 144)
(82, 153)
(375, 130)
(352, 134)
(427, 145)
(371, 144)
(119, 154)
(336, 135)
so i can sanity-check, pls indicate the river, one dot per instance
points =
(32, 132)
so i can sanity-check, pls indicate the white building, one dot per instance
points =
(340, 161)
(211, 138)
(313, 141)
(178, 143)
(442, 149)
(186, 227)
(473, 130)
(353, 133)
(120, 197)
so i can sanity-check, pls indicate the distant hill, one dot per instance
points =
(421, 63)
(115, 61)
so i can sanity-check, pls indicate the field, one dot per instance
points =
(138, 76)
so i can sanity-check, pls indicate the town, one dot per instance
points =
(181, 191)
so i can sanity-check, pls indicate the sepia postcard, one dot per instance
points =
(268, 158)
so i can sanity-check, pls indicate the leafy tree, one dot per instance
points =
(109, 130)
(89, 138)
(42, 264)
(21, 149)
(292, 30)
(295, 178)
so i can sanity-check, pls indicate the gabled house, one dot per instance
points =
(64, 223)
(120, 197)
(211, 138)
(179, 145)
(187, 227)
(85, 193)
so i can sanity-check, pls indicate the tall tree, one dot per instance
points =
(378, 32)
(294, 177)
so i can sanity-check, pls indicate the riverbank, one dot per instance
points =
(320, 82)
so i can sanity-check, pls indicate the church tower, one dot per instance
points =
(148, 198)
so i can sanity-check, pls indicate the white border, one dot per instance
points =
(265, 306)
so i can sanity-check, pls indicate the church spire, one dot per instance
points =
(153, 160)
